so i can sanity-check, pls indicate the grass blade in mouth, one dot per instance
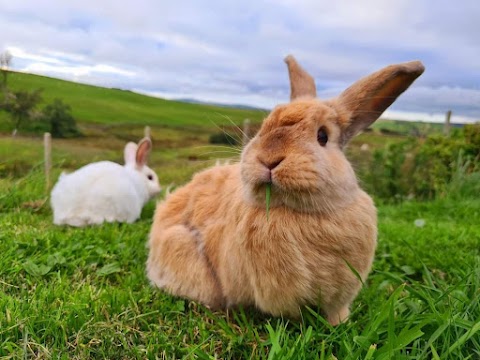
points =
(268, 191)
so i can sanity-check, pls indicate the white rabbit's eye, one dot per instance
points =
(150, 177)
(322, 136)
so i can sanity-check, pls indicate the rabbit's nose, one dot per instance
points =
(273, 163)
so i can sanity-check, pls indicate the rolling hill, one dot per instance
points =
(98, 105)
(94, 105)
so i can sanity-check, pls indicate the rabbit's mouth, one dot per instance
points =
(258, 194)
(298, 199)
(293, 184)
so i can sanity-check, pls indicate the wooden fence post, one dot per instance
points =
(446, 126)
(246, 131)
(147, 131)
(47, 146)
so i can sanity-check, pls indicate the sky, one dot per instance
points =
(232, 52)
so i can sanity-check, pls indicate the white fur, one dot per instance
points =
(104, 192)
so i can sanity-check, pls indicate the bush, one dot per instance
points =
(386, 176)
(61, 122)
(464, 185)
(224, 138)
(423, 168)
(472, 139)
(21, 105)
(434, 165)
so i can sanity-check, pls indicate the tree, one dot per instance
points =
(58, 116)
(5, 62)
(21, 106)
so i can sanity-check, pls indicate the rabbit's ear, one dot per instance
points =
(369, 97)
(301, 83)
(144, 148)
(129, 153)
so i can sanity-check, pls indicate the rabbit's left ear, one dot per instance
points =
(302, 84)
(129, 153)
(364, 101)
(144, 148)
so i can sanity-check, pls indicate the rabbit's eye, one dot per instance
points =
(150, 177)
(322, 136)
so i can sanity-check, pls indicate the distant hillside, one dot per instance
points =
(234, 106)
(93, 104)
(401, 127)
(106, 106)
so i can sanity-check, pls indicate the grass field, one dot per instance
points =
(83, 293)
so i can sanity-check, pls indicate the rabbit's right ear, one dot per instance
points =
(129, 153)
(364, 101)
(302, 83)
(144, 148)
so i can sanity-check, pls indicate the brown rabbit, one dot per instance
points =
(211, 240)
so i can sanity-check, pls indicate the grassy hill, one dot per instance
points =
(94, 105)
(98, 105)
(414, 128)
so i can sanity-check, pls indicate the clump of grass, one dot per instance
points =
(268, 191)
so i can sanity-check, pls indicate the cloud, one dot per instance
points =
(232, 51)
(20, 53)
(71, 67)
(76, 71)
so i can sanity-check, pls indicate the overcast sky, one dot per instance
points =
(232, 51)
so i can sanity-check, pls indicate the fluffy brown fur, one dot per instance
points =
(211, 240)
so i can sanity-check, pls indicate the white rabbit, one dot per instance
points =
(106, 191)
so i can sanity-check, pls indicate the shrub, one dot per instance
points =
(472, 139)
(423, 168)
(385, 177)
(61, 122)
(21, 105)
(435, 162)
(223, 138)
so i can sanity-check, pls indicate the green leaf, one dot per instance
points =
(180, 305)
(407, 336)
(56, 259)
(109, 269)
(370, 352)
(464, 338)
(434, 353)
(354, 271)
(408, 270)
(36, 269)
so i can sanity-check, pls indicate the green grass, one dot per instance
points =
(176, 154)
(83, 293)
(97, 105)
(408, 127)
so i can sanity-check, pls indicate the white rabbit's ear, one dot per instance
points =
(302, 83)
(369, 97)
(129, 153)
(144, 148)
